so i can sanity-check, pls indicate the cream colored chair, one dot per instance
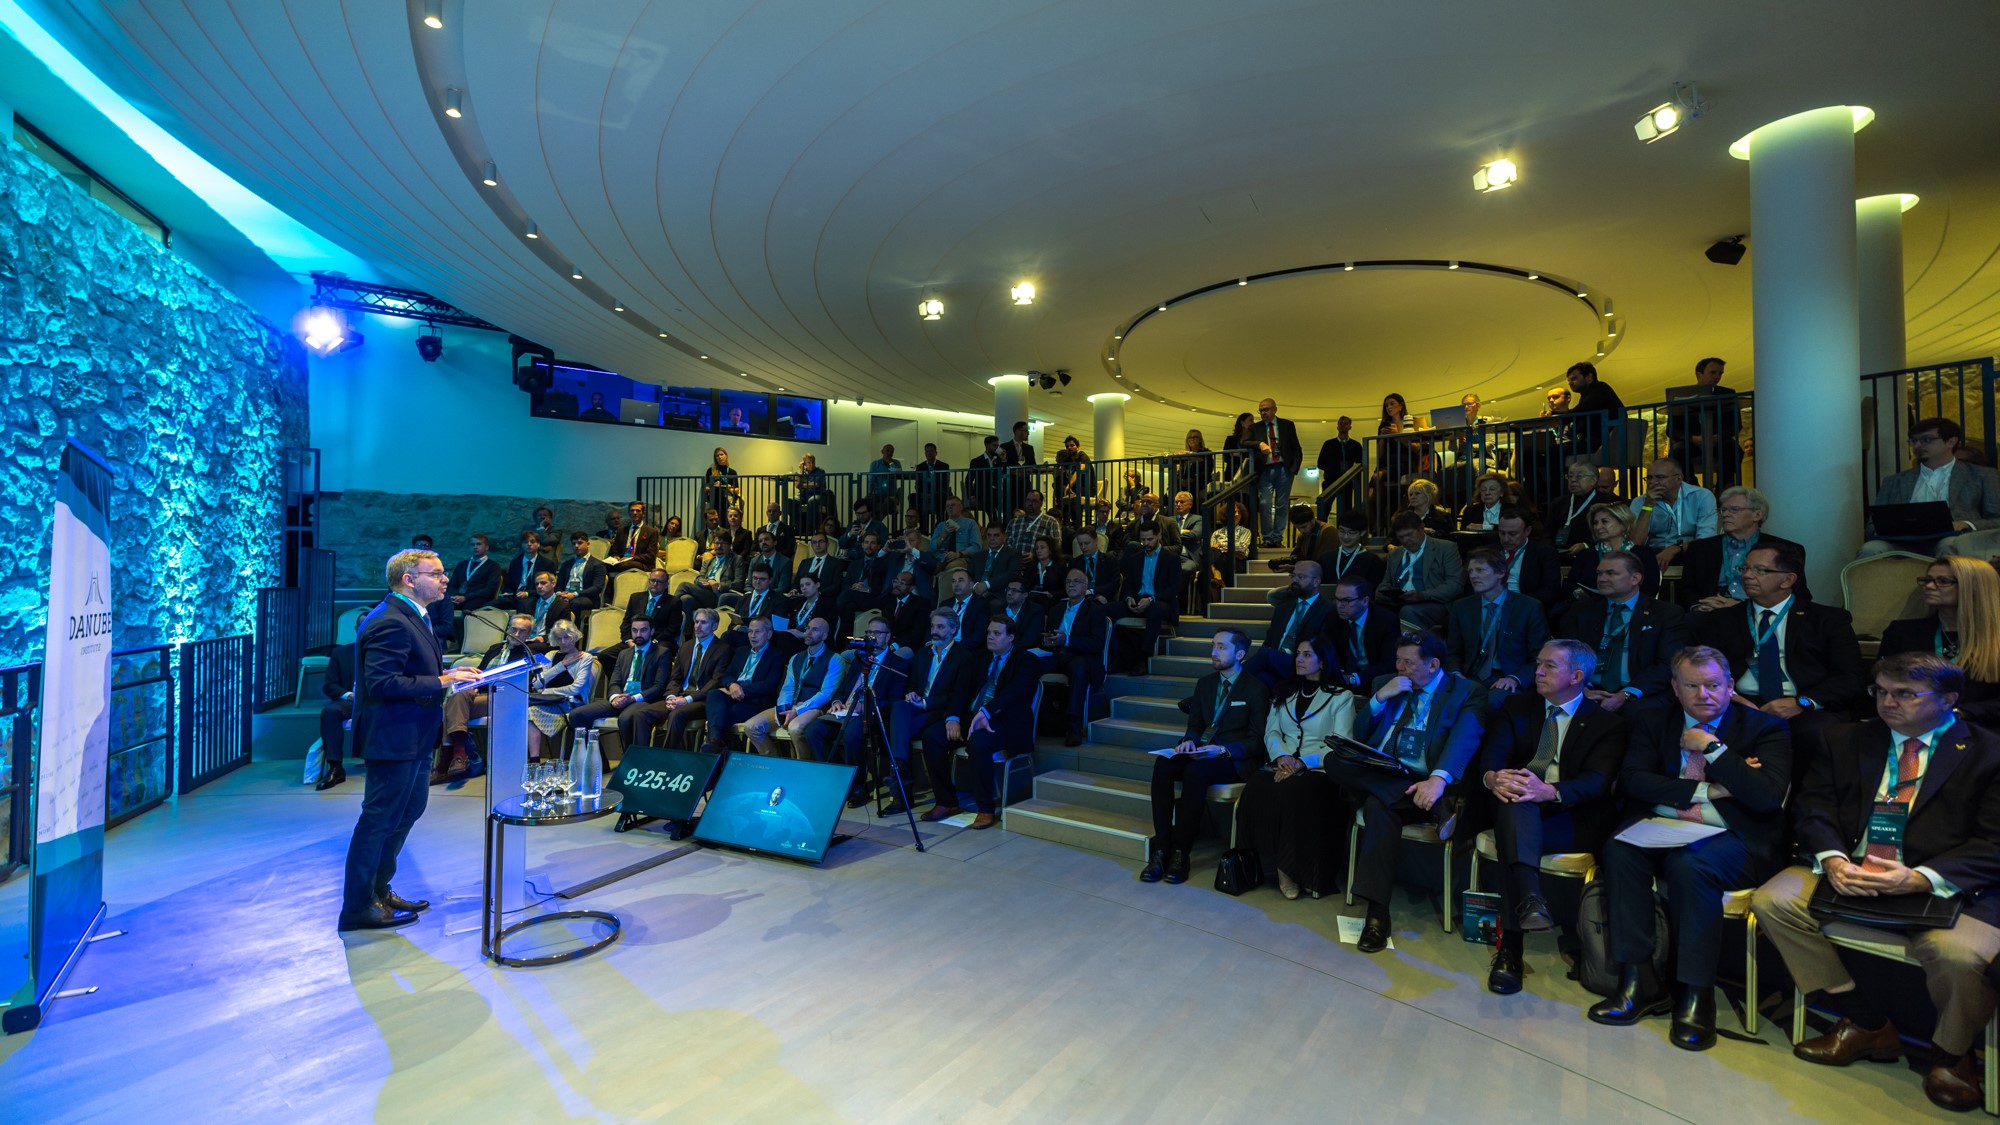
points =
(483, 629)
(600, 548)
(677, 555)
(1423, 832)
(1880, 589)
(601, 631)
(623, 585)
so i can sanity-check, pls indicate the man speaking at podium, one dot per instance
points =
(399, 691)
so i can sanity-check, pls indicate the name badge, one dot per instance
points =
(1885, 830)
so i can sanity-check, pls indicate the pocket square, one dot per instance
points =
(1236, 703)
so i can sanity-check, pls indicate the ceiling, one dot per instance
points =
(776, 185)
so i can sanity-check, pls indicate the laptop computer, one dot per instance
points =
(638, 412)
(1928, 520)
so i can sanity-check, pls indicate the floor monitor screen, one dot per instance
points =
(777, 806)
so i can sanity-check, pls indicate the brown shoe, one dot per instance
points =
(1955, 1087)
(984, 820)
(939, 812)
(1847, 1044)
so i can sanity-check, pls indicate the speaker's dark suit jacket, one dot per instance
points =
(1755, 807)
(398, 699)
(1587, 762)
(1701, 568)
(1821, 655)
(1658, 630)
(1520, 634)
(1954, 825)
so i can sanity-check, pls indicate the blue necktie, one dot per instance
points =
(1770, 668)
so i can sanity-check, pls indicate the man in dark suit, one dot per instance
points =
(1800, 660)
(1550, 760)
(543, 608)
(1430, 721)
(760, 598)
(1015, 604)
(937, 679)
(638, 681)
(1336, 455)
(781, 532)
(654, 604)
(933, 485)
(1152, 587)
(1099, 569)
(982, 483)
(994, 716)
(867, 580)
(1274, 441)
(1532, 567)
(398, 716)
(1705, 763)
(1493, 635)
(780, 562)
(1299, 612)
(1019, 458)
(721, 571)
(476, 580)
(1704, 432)
(1223, 745)
(697, 670)
(822, 564)
(847, 719)
(1597, 407)
(639, 547)
(1360, 639)
(969, 609)
(908, 613)
(1917, 767)
(749, 686)
(1635, 637)
(1079, 632)
(520, 576)
(1712, 568)
(580, 580)
(812, 675)
(992, 565)
(1568, 515)
(338, 687)
(1350, 556)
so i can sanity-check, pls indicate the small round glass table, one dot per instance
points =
(517, 812)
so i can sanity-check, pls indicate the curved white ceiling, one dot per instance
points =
(777, 184)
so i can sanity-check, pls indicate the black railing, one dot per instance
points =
(20, 710)
(140, 772)
(280, 628)
(215, 708)
(317, 585)
(1961, 391)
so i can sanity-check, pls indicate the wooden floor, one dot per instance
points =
(993, 978)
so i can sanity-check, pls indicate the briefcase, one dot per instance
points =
(1901, 913)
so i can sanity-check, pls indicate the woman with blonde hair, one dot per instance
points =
(1611, 530)
(1423, 502)
(565, 684)
(1963, 626)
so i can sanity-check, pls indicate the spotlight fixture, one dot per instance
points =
(1727, 252)
(663, 335)
(454, 102)
(531, 231)
(430, 343)
(618, 308)
(434, 14)
(1023, 294)
(1666, 119)
(1495, 176)
(326, 331)
(1050, 381)
(930, 308)
(490, 175)
(575, 274)
(704, 357)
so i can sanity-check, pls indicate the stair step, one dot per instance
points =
(1149, 709)
(1189, 667)
(1190, 646)
(1103, 759)
(1247, 595)
(1127, 796)
(1261, 578)
(1137, 733)
(1235, 613)
(1079, 826)
(1150, 683)
(1202, 628)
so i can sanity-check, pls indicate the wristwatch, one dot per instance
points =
(1716, 747)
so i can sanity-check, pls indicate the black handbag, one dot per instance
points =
(1919, 910)
(1239, 870)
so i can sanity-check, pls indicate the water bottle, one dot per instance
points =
(586, 768)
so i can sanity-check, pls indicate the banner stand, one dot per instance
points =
(26, 1017)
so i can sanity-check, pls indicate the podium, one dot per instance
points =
(506, 758)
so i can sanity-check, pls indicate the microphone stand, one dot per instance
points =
(880, 736)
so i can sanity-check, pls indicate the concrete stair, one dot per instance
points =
(1099, 813)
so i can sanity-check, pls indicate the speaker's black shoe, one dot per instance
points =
(1694, 1019)
(394, 901)
(1639, 995)
(378, 916)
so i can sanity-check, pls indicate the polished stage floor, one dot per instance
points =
(993, 978)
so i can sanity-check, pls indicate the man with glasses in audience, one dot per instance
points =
(822, 564)
(1275, 444)
(1030, 525)
(1709, 764)
(722, 572)
(811, 678)
(1905, 804)
(1712, 568)
(847, 719)
(1017, 606)
(1359, 642)
(1635, 636)
(1673, 513)
(1078, 631)
(1425, 574)
(1971, 491)
(1569, 514)
(994, 716)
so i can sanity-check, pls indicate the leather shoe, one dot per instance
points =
(1694, 1019)
(1156, 864)
(460, 767)
(1073, 736)
(939, 812)
(1374, 935)
(983, 821)
(475, 766)
(1533, 917)
(895, 807)
(1955, 1087)
(1639, 995)
(1177, 865)
(378, 916)
(856, 799)
(394, 901)
(330, 775)
(1446, 814)
(1847, 1044)
(1504, 978)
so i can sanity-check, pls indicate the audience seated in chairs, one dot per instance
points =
(1568, 514)
(1029, 618)
(1290, 810)
(638, 679)
(581, 579)
(1430, 722)
(1493, 635)
(654, 604)
(760, 598)
(1533, 567)
(1972, 491)
(543, 609)
(639, 545)
(1707, 762)
(457, 756)
(1425, 574)
(992, 565)
(847, 718)
(867, 580)
(1360, 640)
(1963, 627)
(1489, 500)
(475, 583)
(1635, 636)
(1712, 569)
(811, 678)
(1422, 502)
(520, 575)
(697, 669)
(1299, 612)
(1045, 571)
(1079, 630)
(969, 609)
(994, 715)
(720, 571)
(779, 561)
(1100, 570)
(908, 612)
(939, 675)
(749, 685)
(1032, 524)
(1550, 757)
(1673, 513)
(563, 686)
(1309, 538)
(1610, 530)
(1151, 587)
(825, 566)
(1943, 778)
(1223, 745)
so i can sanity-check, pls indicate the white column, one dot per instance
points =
(1107, 416)
(1878, 249)
(1807, 339)
(1010, 403)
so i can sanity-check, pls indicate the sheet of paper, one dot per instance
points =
(1350, 930)
(1170, 752)
(1666, 832)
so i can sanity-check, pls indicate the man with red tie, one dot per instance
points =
(1275, 442)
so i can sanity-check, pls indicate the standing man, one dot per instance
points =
(1673, 513)
(1705, 434)
(933, 485)
(1597, 406)
(1336, 455)
(1277, 460)
(1223, 745)
(398, 716)
(884, 479)
(982, 482)
(1019, 457)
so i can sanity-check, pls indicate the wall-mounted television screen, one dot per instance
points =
(589, 394)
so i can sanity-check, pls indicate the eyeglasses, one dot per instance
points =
(1900, 695)
(1764, 570)
(1937, 580)
(1348, 601)
(431, 573)
(1924, 439)
(1735, 509)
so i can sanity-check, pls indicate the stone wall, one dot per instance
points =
(107, 336)
(363, 528)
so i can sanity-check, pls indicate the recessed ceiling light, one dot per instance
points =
(1349, 267)
(1023, 294)
(930, 308)
(531, 231)
(745, 374)
(1242, 281)
(1496, 175)
(1582, 293)
(454, 102)
(1163, 308)
(704, 357)
(490, 175)
(1533, 276)
(1118, 336)
(434, 13)
(663, 335)
(1454, 265)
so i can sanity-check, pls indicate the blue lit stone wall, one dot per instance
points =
(107, 336)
